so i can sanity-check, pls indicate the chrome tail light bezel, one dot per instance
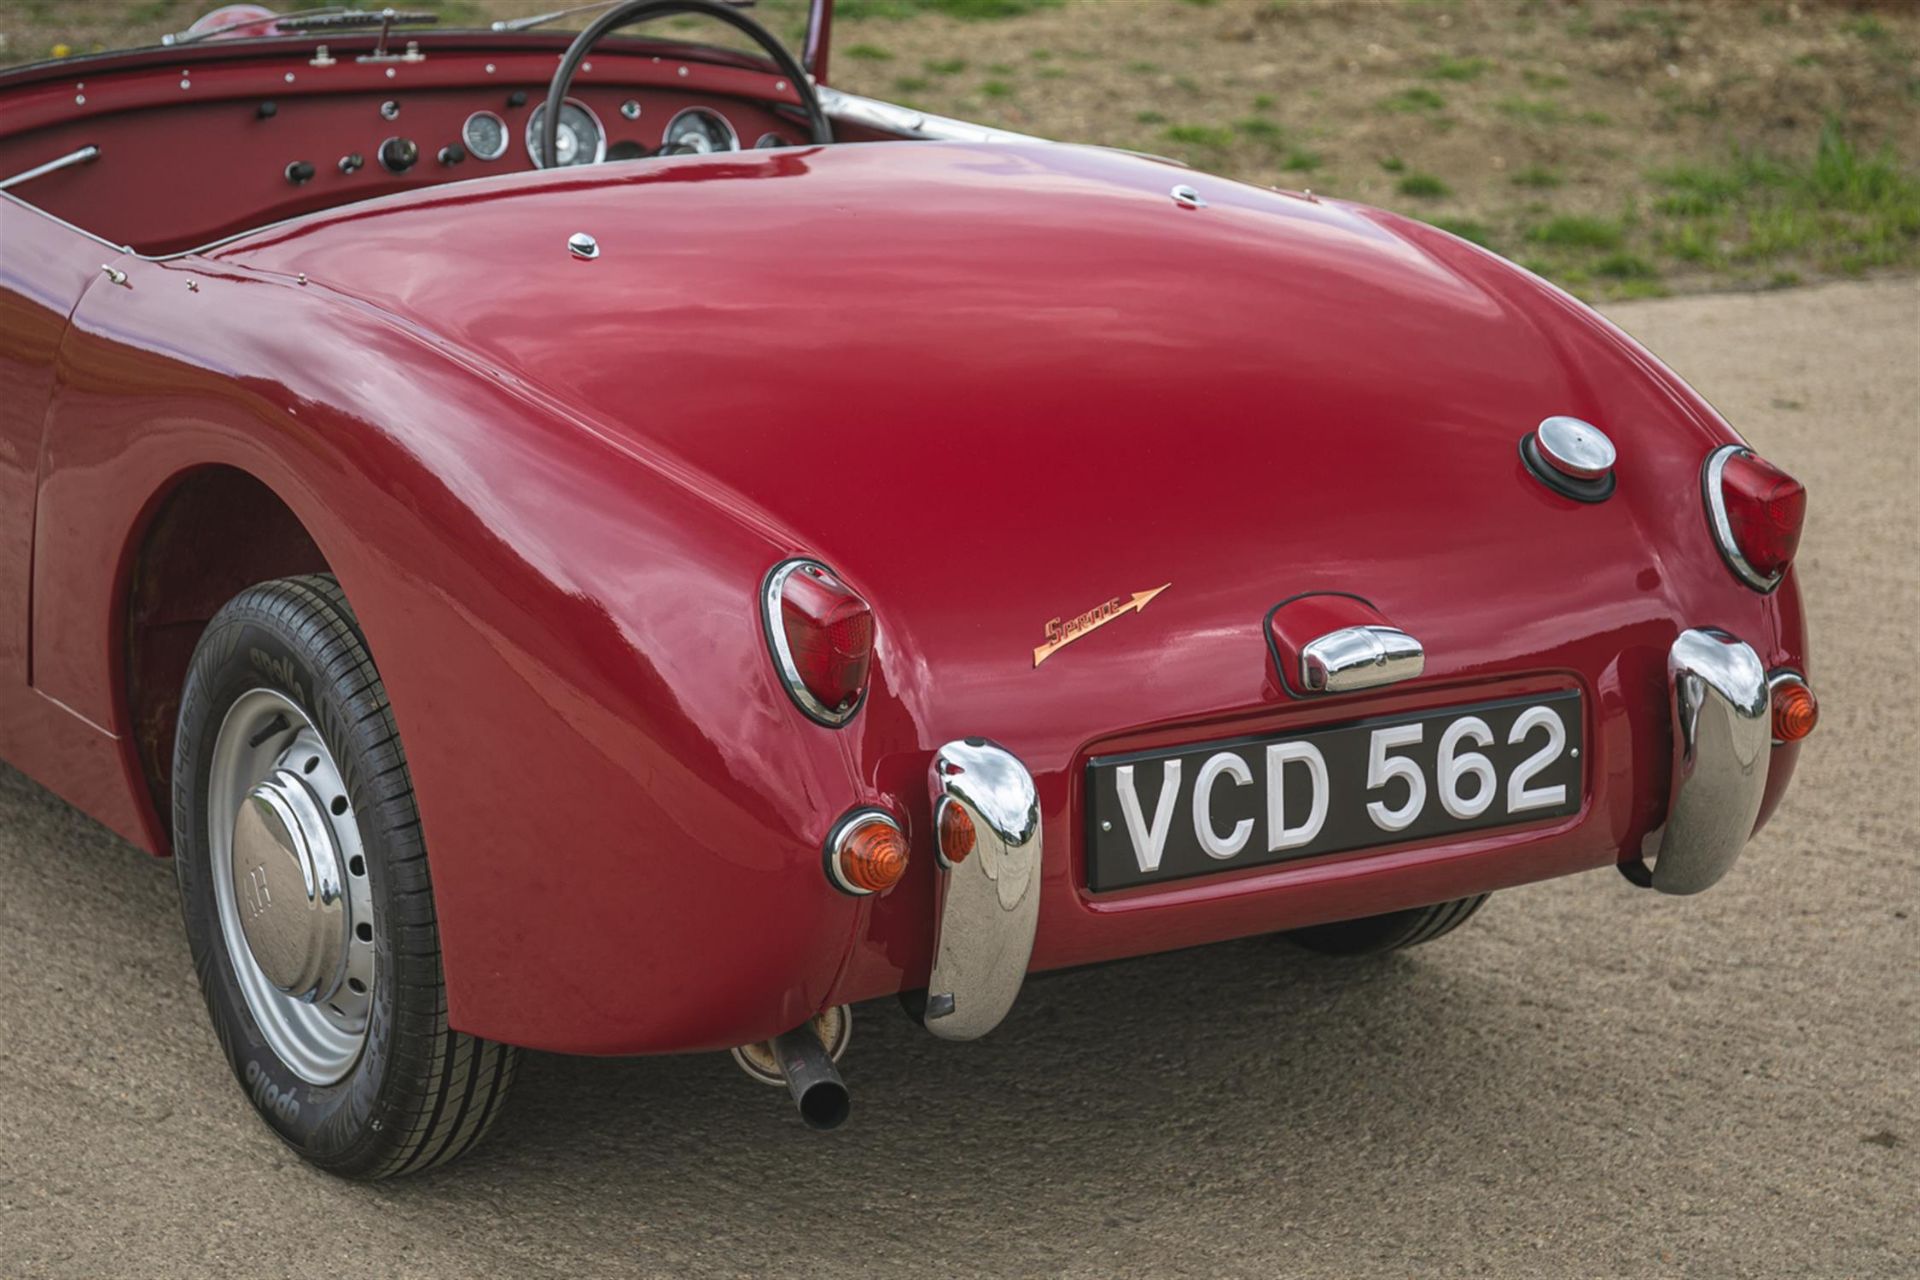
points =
(1711, 477)
(775, 630)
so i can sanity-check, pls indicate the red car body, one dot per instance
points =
(993, 384)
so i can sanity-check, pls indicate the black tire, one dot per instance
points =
(1371, 935)
(419, 1094)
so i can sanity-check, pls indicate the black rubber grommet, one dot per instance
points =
(1560, 482)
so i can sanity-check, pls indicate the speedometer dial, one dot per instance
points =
(581, 141)
(698, 131)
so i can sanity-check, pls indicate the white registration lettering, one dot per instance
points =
(1279, 756)
(1382, 769)
(1148, 845)
(1520, 796)
(1210, 839)
(1455, 765)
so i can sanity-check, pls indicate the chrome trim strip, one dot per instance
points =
(85, 155)
(1360, 658)
(1722, 527)
(839, 833)
(987, 905)
(783, 662)
(891, 118)
(1722, 732)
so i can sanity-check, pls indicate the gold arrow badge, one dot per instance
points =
(1063, 632)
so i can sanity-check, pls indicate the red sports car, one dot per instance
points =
(613, 546)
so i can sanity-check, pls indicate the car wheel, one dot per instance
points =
(1372, 934)
(303, 880)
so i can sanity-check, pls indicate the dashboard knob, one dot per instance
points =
(518, 98)
(267, 110)
(352, 163)
(299, 171)
(452, 153)
(397, 155)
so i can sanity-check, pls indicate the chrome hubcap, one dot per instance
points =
(290, 880)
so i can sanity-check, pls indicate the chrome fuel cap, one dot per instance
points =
(1572, 457)
(288, 885)
(1575, 448)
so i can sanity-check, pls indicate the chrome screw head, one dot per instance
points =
(583, 246)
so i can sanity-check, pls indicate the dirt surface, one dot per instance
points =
(1587, 1080)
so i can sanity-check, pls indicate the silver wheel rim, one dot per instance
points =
(270, 760)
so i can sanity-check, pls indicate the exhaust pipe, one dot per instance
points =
(802, 1059)
(812, 1078)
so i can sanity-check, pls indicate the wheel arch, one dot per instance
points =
(209, 533)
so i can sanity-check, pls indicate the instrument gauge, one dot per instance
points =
(582, 140)
(485, 135)
(698, 131)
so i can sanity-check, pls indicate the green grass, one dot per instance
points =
(1259, 127)
(1536, 178)
(1849, 210)
(1393, 164)
(1213, 137)
(1467, 229)
(945, 66)
(969, 10)
(997, 89)
(1577, 231)
(1460, 69)
(1423, 185)
(1532, 110)
(1625, 266)
(1414, 99)
(865, 53)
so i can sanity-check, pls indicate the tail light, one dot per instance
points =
(821, 634)
(1795, 710)
(867, 853)
(1756, 511)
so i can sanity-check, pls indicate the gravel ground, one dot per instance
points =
(1587, 1080)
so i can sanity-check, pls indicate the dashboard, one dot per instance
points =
(190, 169)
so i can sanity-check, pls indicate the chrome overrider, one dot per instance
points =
(1722, 741)
(987, 904)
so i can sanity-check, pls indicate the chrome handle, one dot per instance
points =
(1360, 658)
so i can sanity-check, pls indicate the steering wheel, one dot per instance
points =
(637, 11)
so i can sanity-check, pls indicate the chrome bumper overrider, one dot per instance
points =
(985, 905)
(1722, 739)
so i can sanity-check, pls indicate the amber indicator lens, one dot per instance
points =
(1795, 711)
(872, 856)
(956, 832)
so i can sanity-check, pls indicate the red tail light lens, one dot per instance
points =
(1757, 511)
(822, 638)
